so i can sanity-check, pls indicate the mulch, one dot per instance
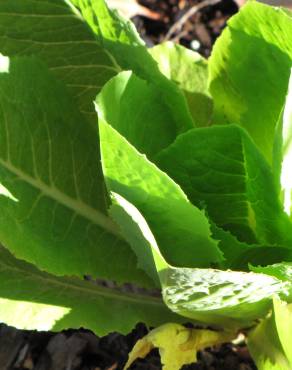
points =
(81, 349)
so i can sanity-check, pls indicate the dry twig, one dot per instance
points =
(177, 26)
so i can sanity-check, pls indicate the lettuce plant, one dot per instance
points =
(151, 167)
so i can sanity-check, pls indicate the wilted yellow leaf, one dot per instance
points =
(177, 345)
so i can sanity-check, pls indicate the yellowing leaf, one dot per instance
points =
(177, 345)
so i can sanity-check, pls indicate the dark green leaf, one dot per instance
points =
(238, 255)
(220, 167)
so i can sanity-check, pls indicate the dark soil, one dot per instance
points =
(81, 349)
(199, 32)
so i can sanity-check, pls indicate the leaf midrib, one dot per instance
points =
(96, 290)
(76, 205)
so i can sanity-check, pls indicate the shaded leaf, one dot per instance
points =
(52, 197)
(236, 185)
(238, 255)
(55, 32)
(31, 299)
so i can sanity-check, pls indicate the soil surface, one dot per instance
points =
(197, 31)
(81, 349)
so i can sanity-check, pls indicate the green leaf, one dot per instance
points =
(181, 230)
(270, 342)
(109, 26)
(52, 195)
(189, 70)
(282, 271)
(249, 71)
(236, 185)
(283, 320)
(134, 108)
(137, 232)
(55, 32)
(261, 255)
(31, 299)
(238, 255)
(283, 152)
(121, 40)
(226, 299)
